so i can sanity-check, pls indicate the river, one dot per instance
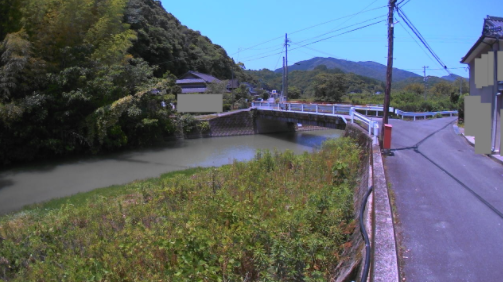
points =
(43, 181)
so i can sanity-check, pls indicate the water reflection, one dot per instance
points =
(43, 181)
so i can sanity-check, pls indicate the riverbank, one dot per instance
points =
(280, 216)
(42, 181)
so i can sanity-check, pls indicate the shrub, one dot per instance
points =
(203, 126)
(279, 217)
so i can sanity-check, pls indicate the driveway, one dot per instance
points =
(449, 203)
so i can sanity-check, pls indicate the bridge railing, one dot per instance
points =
(338, 110)
(423, 114)
(312, 108)
(372, 108)
(372, 125)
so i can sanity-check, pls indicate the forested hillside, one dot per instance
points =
(76, 76)
(321, 83)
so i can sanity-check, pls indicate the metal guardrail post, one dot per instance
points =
(316, 108)
(351, 113)
(333, 109)
(376, 132)
(302, 107)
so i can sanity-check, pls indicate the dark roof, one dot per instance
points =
(206, 77)
(193, 90)
(189, 80)
(492, 29)
(233, 83)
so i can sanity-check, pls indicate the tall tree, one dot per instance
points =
(330, 87)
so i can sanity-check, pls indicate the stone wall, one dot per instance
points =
(235, 124)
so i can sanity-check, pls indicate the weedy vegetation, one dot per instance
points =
(279, 217)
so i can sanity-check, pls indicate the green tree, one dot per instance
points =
(415, 88)
(329, 87)
(442, 88)
(20, 72)
(293, 92)
(241, 93)
(217, 87)
(10, 15)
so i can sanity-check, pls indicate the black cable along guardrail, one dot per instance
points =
(365, 236)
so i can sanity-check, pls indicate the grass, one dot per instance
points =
(279, 217)
(82, 199)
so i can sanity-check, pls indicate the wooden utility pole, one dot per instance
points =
(283, 82)
(389, 68)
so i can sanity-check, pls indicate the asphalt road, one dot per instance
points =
(449, 203)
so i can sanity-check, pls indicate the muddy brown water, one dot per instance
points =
(43, 181)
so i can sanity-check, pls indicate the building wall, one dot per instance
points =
(487, 93)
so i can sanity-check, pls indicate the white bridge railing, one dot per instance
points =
(335, 110)
(423, 114)
(372, 125)
(344, 110)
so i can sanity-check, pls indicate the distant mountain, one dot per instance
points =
(452, 77)
(368, 69)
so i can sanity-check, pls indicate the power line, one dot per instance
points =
(312, 49)
(323, 39)
(434, 69)
(427, 54)
(326, 38)
(272, 52)
(313, 26)
(334, 30)
(420, 37)
(351, 17)
(401, 5)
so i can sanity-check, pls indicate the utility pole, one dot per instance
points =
(460, 83)
(283, 81)
(389, 68)
(286, 67)
(232, 83)
(424, 80)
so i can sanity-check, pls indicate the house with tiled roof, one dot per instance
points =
(195, 82)
(485, 61)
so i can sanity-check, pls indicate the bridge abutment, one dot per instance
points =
(265, 125)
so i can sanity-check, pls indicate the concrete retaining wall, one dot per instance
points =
(236, 124)
(378, 218)
(349, 267)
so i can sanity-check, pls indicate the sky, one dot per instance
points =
(253, 31)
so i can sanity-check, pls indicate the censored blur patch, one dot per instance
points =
(200, 103)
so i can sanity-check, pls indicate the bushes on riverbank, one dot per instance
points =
(279, 217)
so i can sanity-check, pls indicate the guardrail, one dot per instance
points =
(373, 126)
(373, 108)
(308, 108)
(423, 114)
(336, 109)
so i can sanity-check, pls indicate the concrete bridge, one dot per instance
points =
(283, 117)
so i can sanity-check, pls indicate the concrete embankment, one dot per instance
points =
(378, 218)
